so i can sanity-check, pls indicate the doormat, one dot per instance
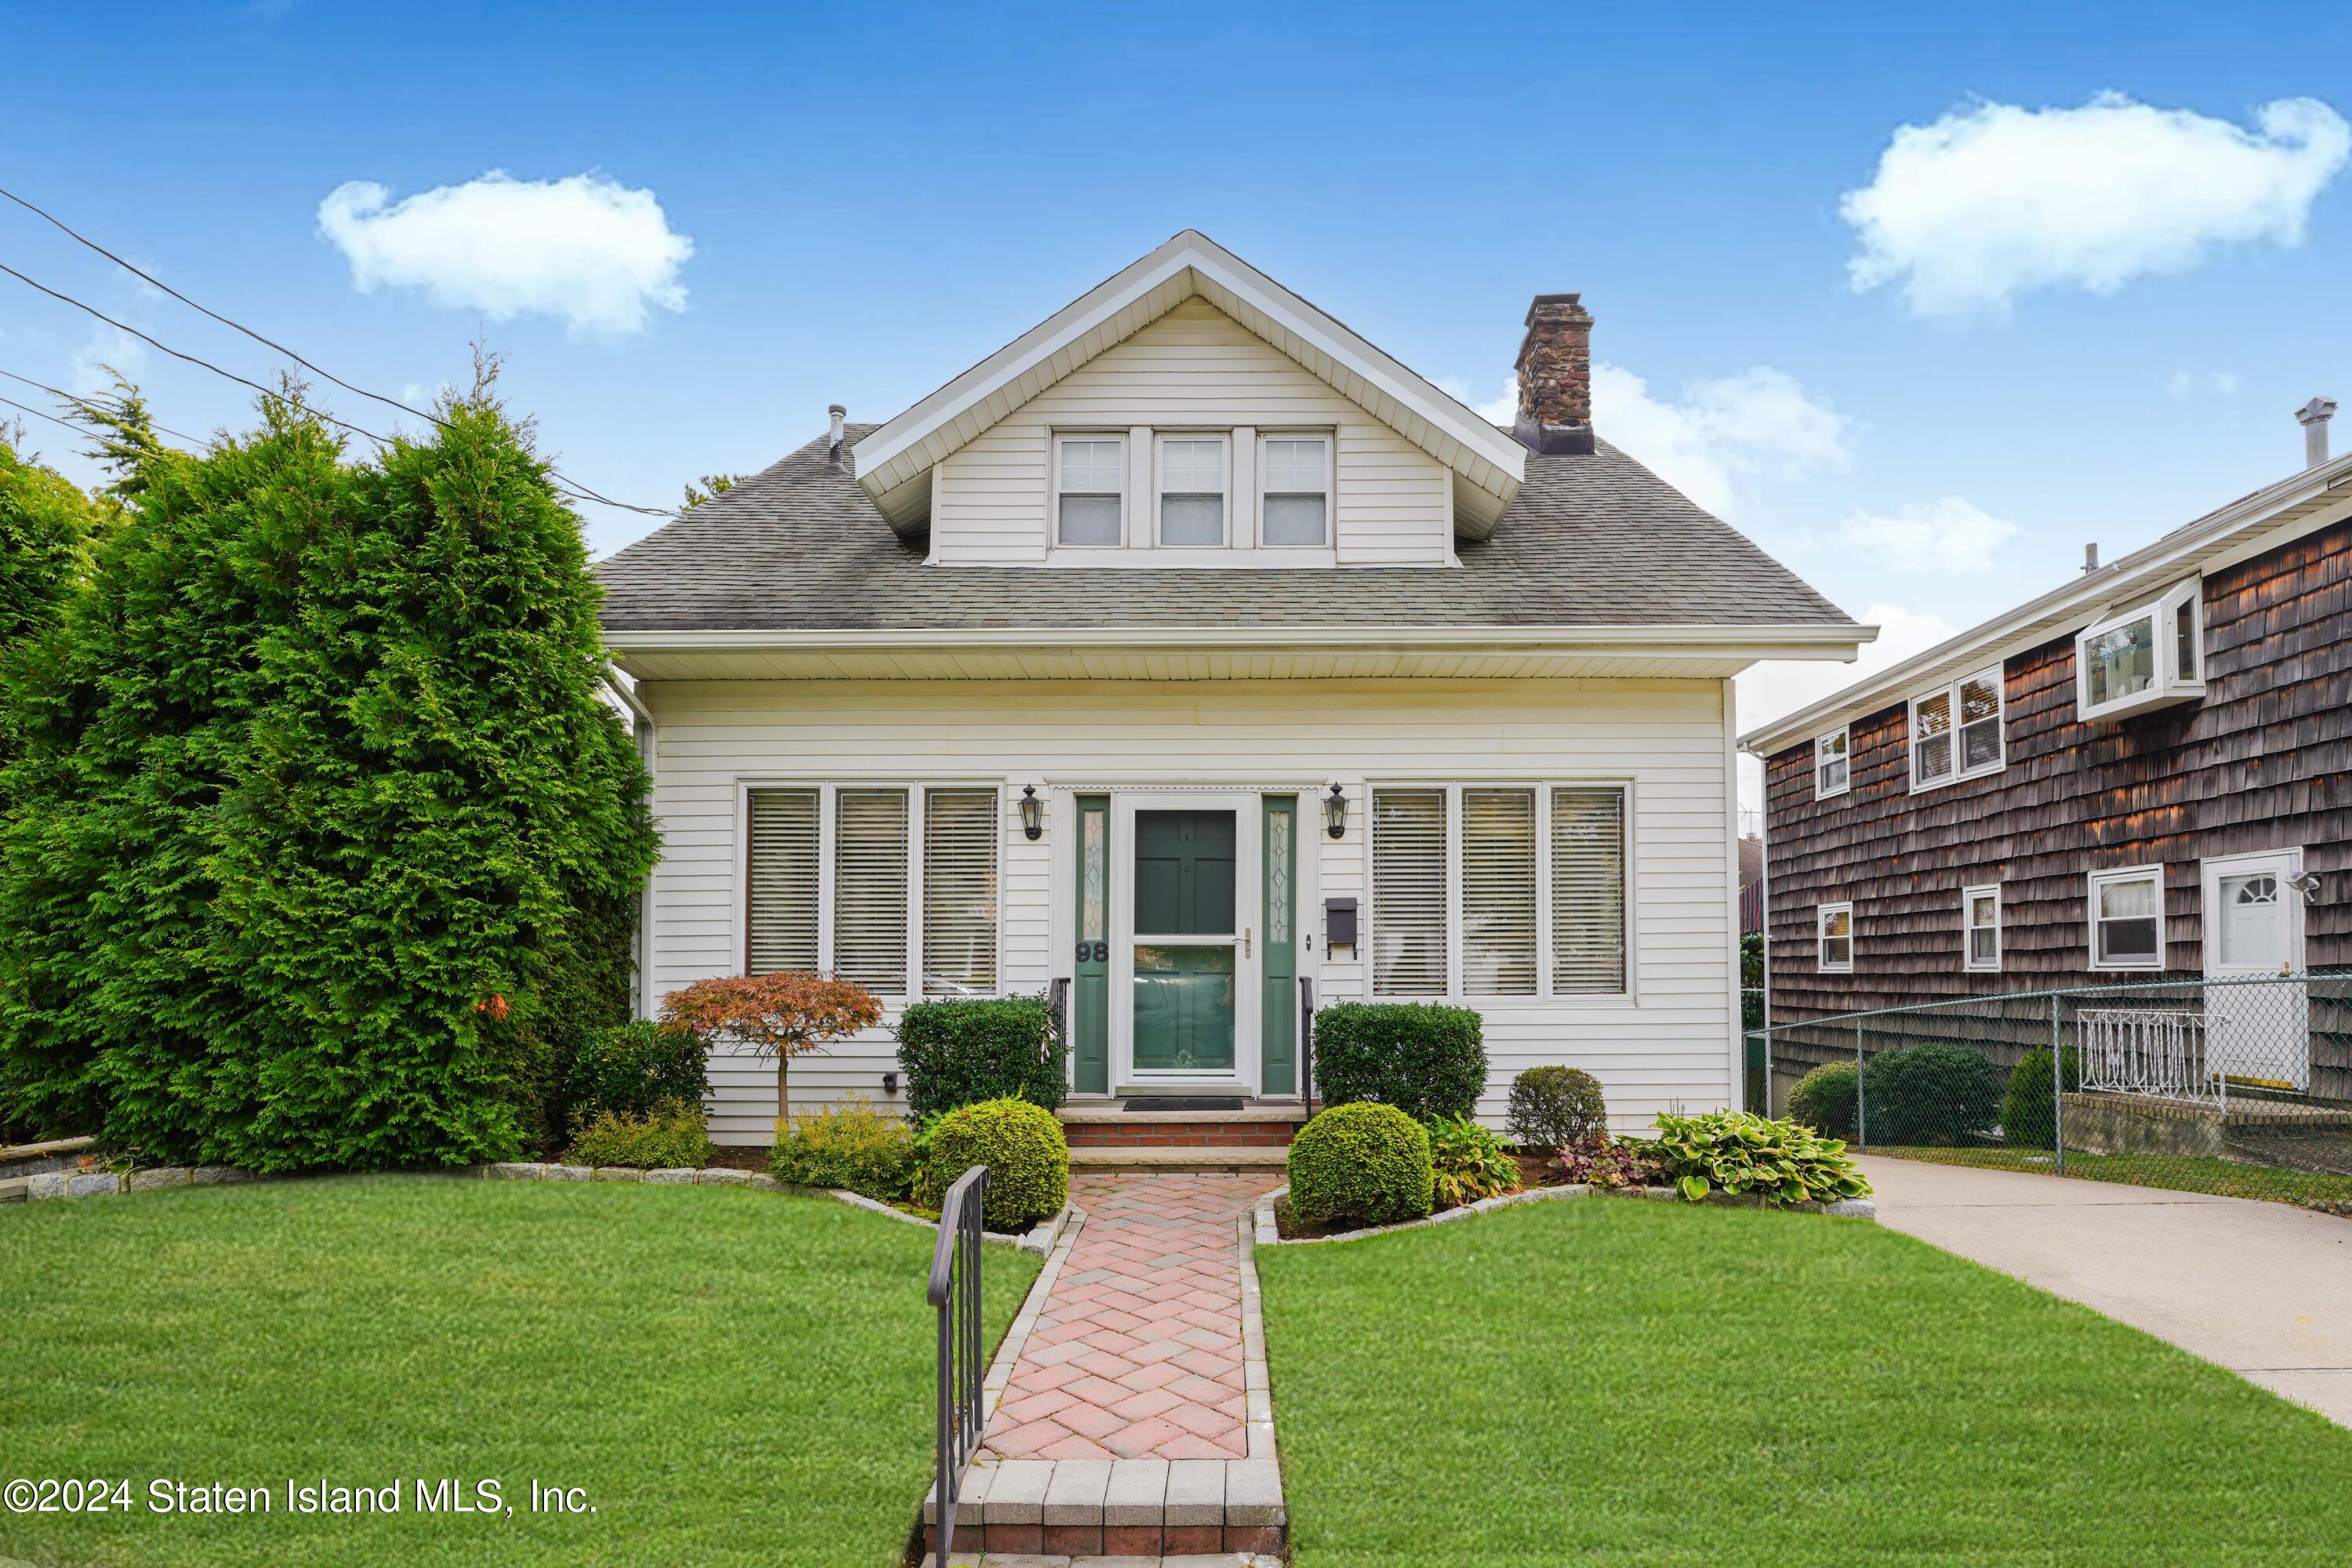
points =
(1180, 1102)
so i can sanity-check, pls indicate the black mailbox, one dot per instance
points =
(1339, 922)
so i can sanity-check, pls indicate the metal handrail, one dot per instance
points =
(1307, 1043)
(954, 1291)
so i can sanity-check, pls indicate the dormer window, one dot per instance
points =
(1296, 509)
(2151, 656)
(1090, 473)
(1193, 491)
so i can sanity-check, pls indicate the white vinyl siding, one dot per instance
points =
(869, 888)
(1499, 892)
(1658, 742)
(1834, 930)
(959, 892)
(1588, 892)
(1195, 369)
(1408, 945)
(781, 917)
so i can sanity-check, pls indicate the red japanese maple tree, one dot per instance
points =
(782, 1016)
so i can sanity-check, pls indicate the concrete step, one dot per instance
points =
(1113, 1123)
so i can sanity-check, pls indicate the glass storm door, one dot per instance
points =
(1189, 968)
(2258, 1027)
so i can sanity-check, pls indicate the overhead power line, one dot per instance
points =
(85, 403)
(28, 409)
(564, 481)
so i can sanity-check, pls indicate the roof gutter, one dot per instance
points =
(2196, 545)
(1830, 640)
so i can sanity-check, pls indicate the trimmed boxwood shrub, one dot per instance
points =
(1360, 1163)
(1021, 1144)
(851, 1145)
(632, 1067)
(1823, 1100)
(1425, 1059)
(671, 1137)
(1930, 1094)
(963, 1051)
(1554, 1107)
(2028, 1111)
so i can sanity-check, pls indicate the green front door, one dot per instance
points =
(1184, 990)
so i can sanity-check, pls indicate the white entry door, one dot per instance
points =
(2256, 1033)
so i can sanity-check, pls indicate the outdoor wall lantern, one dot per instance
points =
(1033, 813)
(1335, 811)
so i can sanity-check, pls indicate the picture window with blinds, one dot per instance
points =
(892, 885)
(1495, 890)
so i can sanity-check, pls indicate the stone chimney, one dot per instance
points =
(2314, 417)
(1555, 368)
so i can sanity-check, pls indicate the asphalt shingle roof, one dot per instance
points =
(1594, 539)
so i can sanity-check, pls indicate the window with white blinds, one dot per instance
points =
(869, 888)
(781, 906)
(959, 892)
(1588, 890)
(1409, 892)
(1499, 892)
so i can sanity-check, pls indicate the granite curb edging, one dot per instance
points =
(1268, 1234)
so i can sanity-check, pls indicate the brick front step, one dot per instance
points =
(1236, 1158)
(1148, 1130)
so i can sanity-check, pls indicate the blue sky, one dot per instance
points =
(2092, 326)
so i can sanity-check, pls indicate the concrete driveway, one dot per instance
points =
(2265, 1289)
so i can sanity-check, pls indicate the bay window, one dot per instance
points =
(2151, 656)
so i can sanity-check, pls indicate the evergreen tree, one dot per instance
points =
(325, 824)
(46, 529)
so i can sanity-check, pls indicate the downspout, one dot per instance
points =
(648, 752)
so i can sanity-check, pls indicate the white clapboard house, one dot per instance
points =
(1193, 652)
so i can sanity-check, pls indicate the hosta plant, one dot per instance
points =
(1739, 1153)
(1468, 1162)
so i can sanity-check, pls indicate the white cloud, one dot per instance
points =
(586, 249)
(1949, 537)
(2184, 384)
(1994, 199)
(1766, 691)
(108, 351)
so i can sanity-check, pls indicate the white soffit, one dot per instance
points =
(894, 461)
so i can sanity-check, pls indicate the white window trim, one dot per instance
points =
(1054, 487)
(1968, 959)
(1330, 439)
(1821, 913)
(2170, 687)
(1546, 994)
(1160, 439)
(826, 787)
(1844, 733)
(2092, 883)
(1950, 692)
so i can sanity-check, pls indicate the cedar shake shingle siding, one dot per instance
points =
(2261, 762)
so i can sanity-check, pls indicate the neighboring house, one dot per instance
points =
(1188, 649)
(2139, 774)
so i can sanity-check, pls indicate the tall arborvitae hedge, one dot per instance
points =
(314, 851)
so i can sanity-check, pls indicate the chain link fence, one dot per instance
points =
(2236, 1087)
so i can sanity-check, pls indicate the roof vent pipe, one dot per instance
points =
(2089, 559)
(839, 414)
(2314, 417)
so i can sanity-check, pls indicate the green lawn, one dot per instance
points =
(732, 1377)
(1629, 1383)
(2174, 1173)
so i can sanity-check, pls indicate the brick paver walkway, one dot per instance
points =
(1137, 1351)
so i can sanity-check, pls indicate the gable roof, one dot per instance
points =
(1592, 547)
(895, 459)
(2312, 499)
